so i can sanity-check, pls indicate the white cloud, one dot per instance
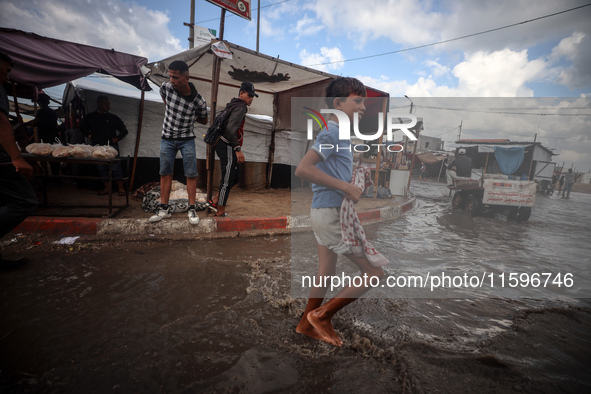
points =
(577, 50)
(402, 21)
(437, 69)
(306, 27)
(268, 30)
(498, 74)
(417, 22)
(120, 25)
(567, 47)
(503, 73)
(326, 55)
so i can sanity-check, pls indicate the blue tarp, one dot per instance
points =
(509, 159)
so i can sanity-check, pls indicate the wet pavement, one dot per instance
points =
(218, 315)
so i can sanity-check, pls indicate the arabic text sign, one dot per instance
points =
(507, 192)
(238, 7)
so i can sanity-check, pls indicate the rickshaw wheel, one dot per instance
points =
(473, 205)
(458, 201)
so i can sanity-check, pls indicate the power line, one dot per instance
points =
(499, 112)
(450, 40)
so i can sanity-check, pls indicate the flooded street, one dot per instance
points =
(219, 315)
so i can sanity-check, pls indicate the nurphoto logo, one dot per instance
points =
(394, 122)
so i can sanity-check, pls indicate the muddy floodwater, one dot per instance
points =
(166, 316)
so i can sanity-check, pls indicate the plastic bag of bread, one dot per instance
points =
(81, 151)
(176, 185)
(61, 151)
(104, 152)
(179, 194)
(40, 149)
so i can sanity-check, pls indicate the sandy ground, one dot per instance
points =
(242, 203)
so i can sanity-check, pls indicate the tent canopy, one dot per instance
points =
(276, 81)
(44, 62)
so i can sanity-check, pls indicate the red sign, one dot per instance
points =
(238, 7)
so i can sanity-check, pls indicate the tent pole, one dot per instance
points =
(137, 140)
(215, 78)
(440, 170)
(377, 175)
(412, 163)
(271, 159)
(272, 145)
(531, 163)
(16, 108)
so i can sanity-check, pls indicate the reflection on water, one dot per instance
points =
(220, 316)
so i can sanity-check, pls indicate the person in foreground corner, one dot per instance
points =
(184, 106)
(336, 188)
(17, 197)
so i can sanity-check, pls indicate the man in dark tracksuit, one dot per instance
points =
(229, 146)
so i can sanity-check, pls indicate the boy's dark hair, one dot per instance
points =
(5, 58)
(180, 66)
(343, 87)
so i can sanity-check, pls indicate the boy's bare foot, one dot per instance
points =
(304, 327)
(324, 328)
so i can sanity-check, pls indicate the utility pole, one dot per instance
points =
(191, 26)
(258, 24)
(411, 103)
(460, 133)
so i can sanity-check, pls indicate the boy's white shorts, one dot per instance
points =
(326, 223)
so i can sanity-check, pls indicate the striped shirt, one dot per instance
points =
(181, 114)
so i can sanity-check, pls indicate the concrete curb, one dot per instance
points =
(97, 226)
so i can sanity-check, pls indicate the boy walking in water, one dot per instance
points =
(330, 170)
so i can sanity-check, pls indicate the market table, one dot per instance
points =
(44, 160)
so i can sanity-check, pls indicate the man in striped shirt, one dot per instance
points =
(184, 107)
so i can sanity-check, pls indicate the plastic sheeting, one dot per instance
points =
(509, 159)
(44, 62)
(290, 146)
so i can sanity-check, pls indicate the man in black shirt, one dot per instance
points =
(460, 167)
(105, 128)
(46, 123)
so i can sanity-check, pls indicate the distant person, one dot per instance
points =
(569, 180)
(105, 128)
(184, 107)
(229, 146)
(459, 168)
(331, 170)
(47, 127)
(422, 174)
(17, 197)
(561, 182)
(46, 121)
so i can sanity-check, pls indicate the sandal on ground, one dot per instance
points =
(103, 193)
(223, 215)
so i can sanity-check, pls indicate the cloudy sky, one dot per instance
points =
(404, 47)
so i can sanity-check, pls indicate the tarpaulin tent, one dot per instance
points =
(276, 82)
(44, 62)
(125, 103)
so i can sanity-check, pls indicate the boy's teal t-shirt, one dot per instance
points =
(337, 161)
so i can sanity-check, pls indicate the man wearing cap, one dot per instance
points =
(460, 167)
(229, 146)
